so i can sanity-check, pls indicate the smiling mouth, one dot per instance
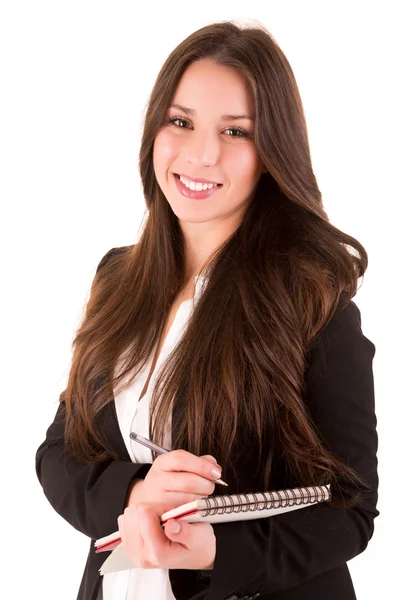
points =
(187, 192)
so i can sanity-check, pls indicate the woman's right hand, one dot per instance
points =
(175, 478)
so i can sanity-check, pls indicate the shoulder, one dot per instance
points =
(111, 254)
(345, 323)
(341, 343)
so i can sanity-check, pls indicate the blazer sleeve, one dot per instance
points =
(90, 496)
(282, 551)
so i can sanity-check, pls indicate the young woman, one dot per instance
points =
(229, 335)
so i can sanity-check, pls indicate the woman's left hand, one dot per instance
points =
(150, 545)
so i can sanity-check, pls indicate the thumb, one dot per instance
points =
(175, 529)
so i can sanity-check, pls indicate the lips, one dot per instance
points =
(193, 194)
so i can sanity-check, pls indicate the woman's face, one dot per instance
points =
(206, 145)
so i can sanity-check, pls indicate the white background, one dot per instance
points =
(75, 77)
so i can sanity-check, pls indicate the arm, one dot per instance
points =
(89, 496)
(273, 554)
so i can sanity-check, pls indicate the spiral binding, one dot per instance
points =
(265, 500)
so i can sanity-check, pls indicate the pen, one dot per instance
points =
(145, 442)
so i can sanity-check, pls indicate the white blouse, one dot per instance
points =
(137, 584)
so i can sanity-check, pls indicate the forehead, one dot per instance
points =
(210, 88)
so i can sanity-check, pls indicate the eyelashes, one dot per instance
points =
(243, 133)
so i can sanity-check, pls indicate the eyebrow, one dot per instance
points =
(191, 111)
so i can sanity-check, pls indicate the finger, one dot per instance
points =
(155, 541)
(181, 460)
(210, 458)
(188, 483)
(130, 534)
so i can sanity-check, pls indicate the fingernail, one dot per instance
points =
(175, 527)
(216, 473)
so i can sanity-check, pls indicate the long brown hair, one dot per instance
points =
(271, 287)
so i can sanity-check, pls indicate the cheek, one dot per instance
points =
(165, 149)
(244, 165)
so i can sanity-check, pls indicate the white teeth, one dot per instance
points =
(197, 187)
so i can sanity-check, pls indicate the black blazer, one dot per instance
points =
(299, 555)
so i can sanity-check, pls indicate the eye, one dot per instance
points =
(238, 130)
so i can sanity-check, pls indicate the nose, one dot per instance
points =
(203, 149)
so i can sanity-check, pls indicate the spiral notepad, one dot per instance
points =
(217, 509)
(221, 509)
